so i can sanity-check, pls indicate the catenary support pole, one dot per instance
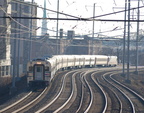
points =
(128, 43)
(57, 26)
(124, 38)
(137, 39)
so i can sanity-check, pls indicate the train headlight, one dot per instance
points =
(38, 63)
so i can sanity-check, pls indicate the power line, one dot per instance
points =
(45, 8)
(117, 12)
(76, 16)
(73, 19)
(10, 17)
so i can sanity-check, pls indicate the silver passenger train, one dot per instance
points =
(42, 71)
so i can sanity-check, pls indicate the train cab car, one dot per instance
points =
(38, 73)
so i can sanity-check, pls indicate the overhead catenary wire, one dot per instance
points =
(13, 18)
(9, 16)
(45, 8)
(49, 42)
(80, 19)
(76, 17)
(6, 27)
(106, 31)
(116, 12)
(41, 40)
(21, 31)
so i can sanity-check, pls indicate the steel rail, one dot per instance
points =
(136, 94)
(82, 92)
(17, 102)
(20, 109)
(131, 103)
(57, 96)
(71, 95)
(103, 92)
(91, 94)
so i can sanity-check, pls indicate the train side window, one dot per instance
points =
(30, 68)
(46, 68)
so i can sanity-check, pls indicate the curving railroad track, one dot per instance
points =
(84, 91)
(23, 103)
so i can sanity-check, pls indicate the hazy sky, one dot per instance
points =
(84, 9)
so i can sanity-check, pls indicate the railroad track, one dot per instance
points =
(62, 99)
(136, 100)
(86, 94)
(25, 102)
(87, 91)
(128, 101)
(94, 98)
(34, 99)
(65, 101)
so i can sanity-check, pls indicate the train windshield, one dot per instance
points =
(39, 69)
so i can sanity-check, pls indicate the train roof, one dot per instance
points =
(54, 57)
(44, 58)
(77, 56)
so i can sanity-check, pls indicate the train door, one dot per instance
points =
(39, 72)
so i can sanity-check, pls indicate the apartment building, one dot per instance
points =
(5, 31)
(16, 32)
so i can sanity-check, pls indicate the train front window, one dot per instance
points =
(39, 69)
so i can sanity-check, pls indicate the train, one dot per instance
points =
(43, 70)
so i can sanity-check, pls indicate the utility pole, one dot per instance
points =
(30, 51)
(124, 38)
(93, 21)
(93, 28)
(13, 87)
(137, 38)
(57, 27)
(44, 21)
(128, 42)
(18, 59)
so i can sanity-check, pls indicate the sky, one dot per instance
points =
(84, 9)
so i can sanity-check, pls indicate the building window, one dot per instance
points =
(3, 70)
(7, 70)
(0, 71)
